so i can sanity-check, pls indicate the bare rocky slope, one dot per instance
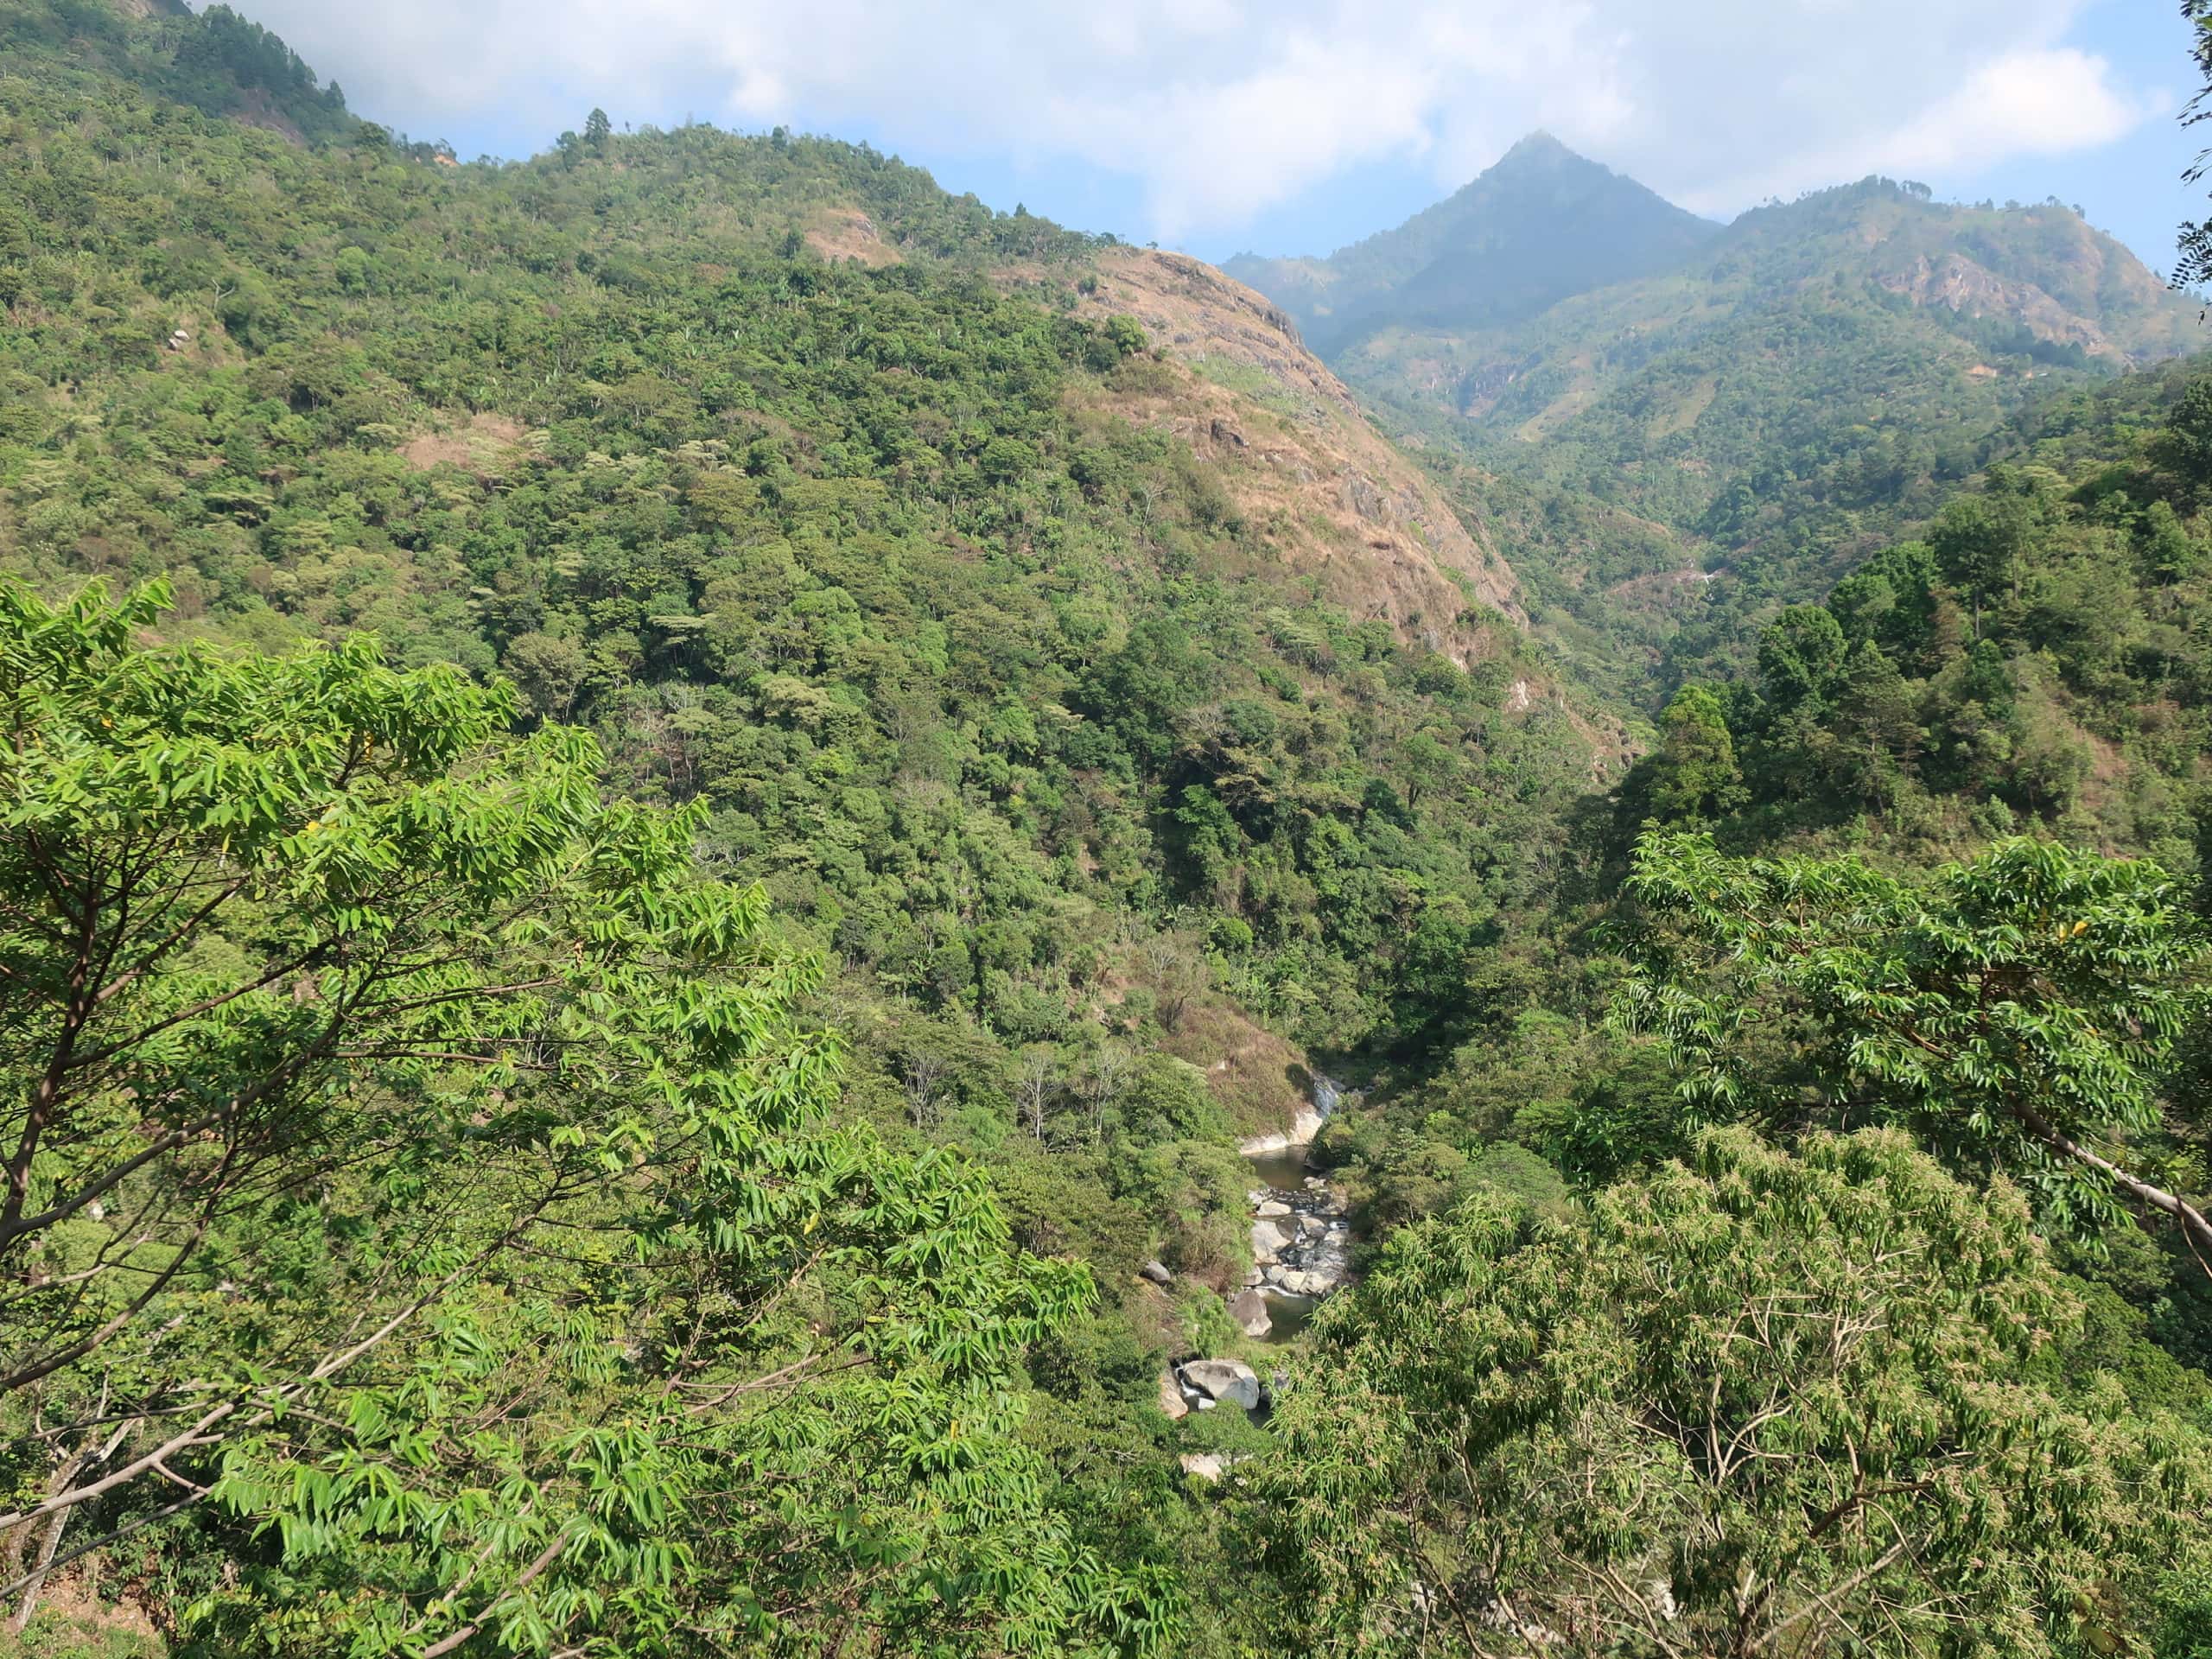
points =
(1333, 498)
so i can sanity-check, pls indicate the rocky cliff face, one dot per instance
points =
(1329, 496)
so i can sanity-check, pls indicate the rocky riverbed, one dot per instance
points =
(1301, 1243)
(1301, 1251)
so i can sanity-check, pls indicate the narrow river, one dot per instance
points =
(1300, 1237)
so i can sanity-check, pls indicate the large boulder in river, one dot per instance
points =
(1267, 1240)
(1171, 1396)
(1250, 1309)
(1228, 1381)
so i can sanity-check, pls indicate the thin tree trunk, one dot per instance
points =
(2195, 1227)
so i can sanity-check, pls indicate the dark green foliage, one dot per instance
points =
(215, 59)
(780, 643)
(2032, 658)
(847, 565)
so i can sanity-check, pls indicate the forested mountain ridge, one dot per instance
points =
(2032, 652)
(1541, 224)
(1759, 404)
(520, 389)
(213, 59)
(1112, 716)
(1995, 295)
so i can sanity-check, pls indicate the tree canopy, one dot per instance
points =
(416, 1163)
(1756, 1401)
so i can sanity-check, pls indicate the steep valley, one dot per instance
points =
(746, 911)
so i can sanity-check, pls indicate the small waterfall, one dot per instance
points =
(1323, 1096)
(1326, 1094)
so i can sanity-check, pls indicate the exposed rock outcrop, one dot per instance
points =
(1225, 1381)
(1331, 496)
(1309, 1249)
(1250, 1309)
(1170, 1397)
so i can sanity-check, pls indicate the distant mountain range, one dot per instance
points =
(1542, 225)
(1768, 394)
(1545, 225)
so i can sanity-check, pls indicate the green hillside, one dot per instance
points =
(212, 59)
(1816, 349)
(1764, 403)
(1081, 814)
(664, 811)
(2030, 653)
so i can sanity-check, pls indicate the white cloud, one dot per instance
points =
(1220, 108)
(2037, 102)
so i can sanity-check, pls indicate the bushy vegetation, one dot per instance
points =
(1766, 403)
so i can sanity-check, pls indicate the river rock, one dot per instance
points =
(1267, 1240)
(1269, 1208)
(1250, 1309)
(1157, 1272)
(1171, 1396)
(1227, 1382)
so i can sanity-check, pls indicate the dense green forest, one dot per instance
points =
(665, 812)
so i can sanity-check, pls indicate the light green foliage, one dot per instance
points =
(415, 1160)
(1758, 1402)
(2021, 1004)
(450, 1226)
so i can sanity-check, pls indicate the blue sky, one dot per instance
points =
(1299, 125)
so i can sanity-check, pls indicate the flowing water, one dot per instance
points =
(1283, 1170)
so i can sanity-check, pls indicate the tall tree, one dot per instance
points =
(1695, 777)
(1755, 1403)
(2018, 1008)
(2193, 266)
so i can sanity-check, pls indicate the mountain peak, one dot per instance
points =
(1538, 145)
(1540, 223)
